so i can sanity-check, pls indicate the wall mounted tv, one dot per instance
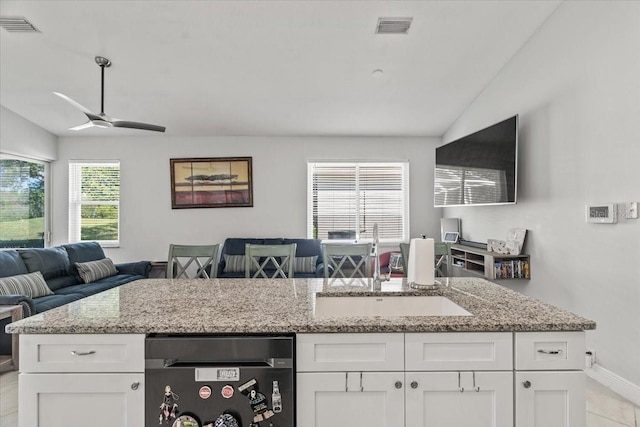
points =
(478, 169)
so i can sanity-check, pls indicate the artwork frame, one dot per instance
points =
(211, 182)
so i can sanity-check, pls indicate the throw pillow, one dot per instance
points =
(96, 270)
(51, 262)
(31, 285)
(304, 264)
(234, 263)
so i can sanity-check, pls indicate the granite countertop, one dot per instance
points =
(286, 306)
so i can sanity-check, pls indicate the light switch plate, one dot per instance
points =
(632, 210)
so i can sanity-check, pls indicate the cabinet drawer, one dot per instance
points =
(350, 352)
(81, 353)
(467, 351)
(549, 350)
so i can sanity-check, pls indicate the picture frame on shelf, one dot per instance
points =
(211, 182)
(497, 246)
(515, 240)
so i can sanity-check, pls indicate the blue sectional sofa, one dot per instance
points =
(58, 267)
(232, 266)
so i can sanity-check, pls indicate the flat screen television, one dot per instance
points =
(478, 169)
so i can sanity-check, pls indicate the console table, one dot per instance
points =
(471, 261)
(9, 362)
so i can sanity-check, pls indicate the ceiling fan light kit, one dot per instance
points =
(101, 120)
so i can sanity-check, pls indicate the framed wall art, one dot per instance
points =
(216, 182)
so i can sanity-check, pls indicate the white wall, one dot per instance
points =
(149, 225)
(576, 87)
(19, 136)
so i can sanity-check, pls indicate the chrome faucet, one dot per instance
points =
(377, 279)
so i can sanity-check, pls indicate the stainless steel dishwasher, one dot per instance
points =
(219, 381)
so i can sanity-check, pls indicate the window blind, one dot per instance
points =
(346, 199)
(23, 202)
(94, 202)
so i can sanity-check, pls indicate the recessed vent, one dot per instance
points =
(17, 25)
(393, 25)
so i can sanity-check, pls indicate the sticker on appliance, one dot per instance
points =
(227, 391)
(204, 392)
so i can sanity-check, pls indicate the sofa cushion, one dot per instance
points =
(11, 264)
(30, 284)
(235, 245)
(95, 270)
(83, 252)
(306, 247)
(306, 264)
(234, 263)
(101, 285)
(52, 301)
(61, 282)
(51, 262)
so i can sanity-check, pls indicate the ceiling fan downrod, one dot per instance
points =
(102, 62)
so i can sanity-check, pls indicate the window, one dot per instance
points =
(346, 199)
(94, 202)
(23, 202)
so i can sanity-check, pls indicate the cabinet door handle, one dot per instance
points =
(460, 388)
(82, 353)
(361, 387)
(414, 384)
(398, 384)
(526, 384)
(550, 351)
(134, 386)
(477, 389)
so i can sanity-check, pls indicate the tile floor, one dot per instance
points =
(604, 407)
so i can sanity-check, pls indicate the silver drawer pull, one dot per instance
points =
(82, 353)
(550, 351)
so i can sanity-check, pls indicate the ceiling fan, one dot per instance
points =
(102, 120)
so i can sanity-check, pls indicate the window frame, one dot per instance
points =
(357, 164)
(47, 191)
(75, 203)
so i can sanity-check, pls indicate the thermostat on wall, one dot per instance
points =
(605, 213)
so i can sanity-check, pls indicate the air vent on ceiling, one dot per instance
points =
(393, 25)
(17, 25)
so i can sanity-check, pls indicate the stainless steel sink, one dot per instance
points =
(385, 306)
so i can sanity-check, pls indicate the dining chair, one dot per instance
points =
(269, 261)
(184, 259)
(442, 252)
(404, 251)
(347, 261)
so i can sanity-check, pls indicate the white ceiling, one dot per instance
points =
(207, 68)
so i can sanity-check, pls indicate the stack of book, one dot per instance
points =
(511, 269)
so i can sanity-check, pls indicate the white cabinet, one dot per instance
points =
(550, 399)
(95, 380)
(371, 399)
(349, 352)
(479, 399)
(460, 351)
(82, 353)
(63, 400)
(549, 380)
(344, 379)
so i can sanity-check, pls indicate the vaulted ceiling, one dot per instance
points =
(206, 68)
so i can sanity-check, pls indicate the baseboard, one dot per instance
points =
(623, 387)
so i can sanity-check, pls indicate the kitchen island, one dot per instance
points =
(510, 345)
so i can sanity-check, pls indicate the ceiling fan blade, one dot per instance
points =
(82, 126)
(90, 114)
(137, 125)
